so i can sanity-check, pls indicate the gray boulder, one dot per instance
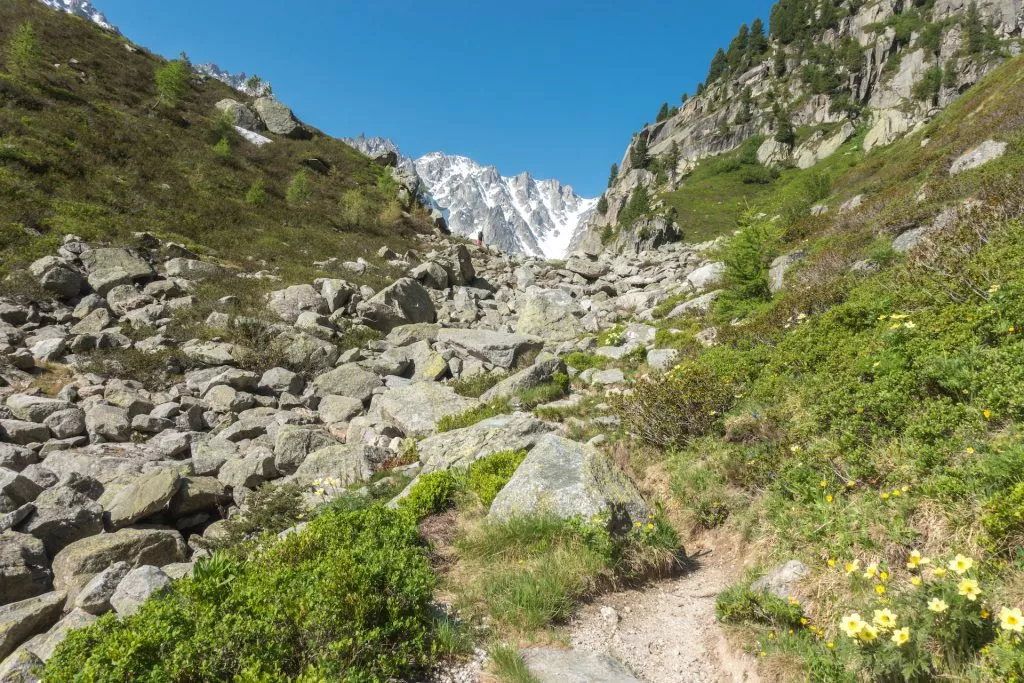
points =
(66, 424)
(143, 497)
(979, 156)
(23, 433)
(109, 423)
(192, 269)
(19, 621)
(569, 479)
(78, 562)
(43, 646)
(110, 267)
(250, 471)
(351, 464)
(335, 409)
(22, 667)
(241, 115)
(197, 494)
(62, 515)
(551, 314)
(402, 303)
(137, 585)
(497, 348)
(278, 118)
(295, 442)
(416, 409)
(34, 408)
(348, 380)
(94, 597)
(279, 380)
(57, 277)
(779, 581)
(288, 303)
(24, 567)
(461, 447)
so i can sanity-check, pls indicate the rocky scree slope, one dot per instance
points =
(817, 75)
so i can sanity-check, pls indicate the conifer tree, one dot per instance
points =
(784, 132)
(758, 43)
(746, 103)
(638, 153)
(662, 113)
(613, 175)
(737, 54)
(974, 30)
(602, 205)
(719, 65)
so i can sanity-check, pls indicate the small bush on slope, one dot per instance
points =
(348, 599)
(488, 476)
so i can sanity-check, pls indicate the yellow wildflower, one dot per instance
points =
(901, 636)
(938, 572)
(1011, 620)
(829, 498)
(852, 624)
(868, 634)
(830, 645)
(969, 589)
(851, 567)
(883, 576)
(961, 564)
(970, 450)
(915, 559)
(984, 614)
(937, 605)
(831, 561)
(884, 619)
(823, 484)
(870, 571)
(880, 589)
(885, 496)
(987, 413)
(915, 580)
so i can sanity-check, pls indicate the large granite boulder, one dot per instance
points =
(295, 442)
(143, 497)
(241, 115)
(569, 479)
(527, 378)
(551, 314)
(348, 380)
(24, 568)
(137, 585)
(552, 665)
(78, 562)
(19, 621)
(461, 447)
(416, 409)
(62, 515)
(351, 464)
(279, 119)
(290, 302)
(111, 266)
(402, 303)
(500, 349)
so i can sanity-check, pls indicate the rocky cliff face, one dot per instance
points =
(886, 66)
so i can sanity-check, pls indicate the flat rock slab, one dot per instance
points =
(461, 447)
(416, 409)
(19, 621)
(549, 665)
(497, 348)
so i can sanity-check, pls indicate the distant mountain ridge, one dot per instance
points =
(518, 214)
(84, 9)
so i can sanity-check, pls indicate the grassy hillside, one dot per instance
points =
(86, 149)
(875, 412)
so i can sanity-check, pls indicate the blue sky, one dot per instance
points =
(554, 87)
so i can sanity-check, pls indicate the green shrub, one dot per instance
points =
(509, 666)
(470, 417)
(299, 188)
(672, 410)
(432, 493)
(172, 81)
(257, 193)
(348, 598)
(557, 388)
(269, 509)
(22, 50)
(222, 148)
(488, 476)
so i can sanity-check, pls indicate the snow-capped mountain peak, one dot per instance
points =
(240, 81)
(81, 8)
(518, 214)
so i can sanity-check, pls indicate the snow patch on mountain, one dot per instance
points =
(81, 8)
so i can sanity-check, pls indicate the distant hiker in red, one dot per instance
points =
(480, 239)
